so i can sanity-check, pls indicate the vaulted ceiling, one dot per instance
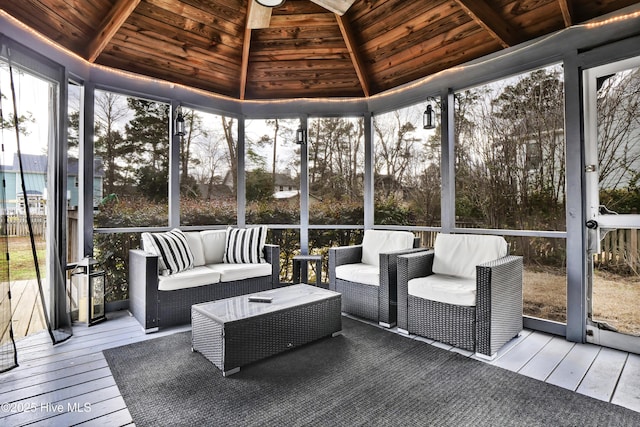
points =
(240, 49)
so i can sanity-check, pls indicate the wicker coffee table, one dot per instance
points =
(234, 332)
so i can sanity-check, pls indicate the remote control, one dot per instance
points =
(260, 299)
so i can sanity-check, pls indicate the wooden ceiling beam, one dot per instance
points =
(567, 12)
(339, 7)
(347, 35)
(110, 26)
(258, 16)
(246, 45)
(482, 13)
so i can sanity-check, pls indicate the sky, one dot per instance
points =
(31, 96)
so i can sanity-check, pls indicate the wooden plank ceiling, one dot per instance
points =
(300, 49)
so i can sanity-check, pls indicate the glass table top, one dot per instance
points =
(236, 308)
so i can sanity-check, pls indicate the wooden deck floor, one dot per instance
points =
(26, 308)
(71, 384)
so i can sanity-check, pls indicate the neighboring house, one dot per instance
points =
(215, 191)
(35, 200)
(73, 181)
(284, 187)
(35, 179)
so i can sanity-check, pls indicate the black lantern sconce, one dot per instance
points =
(301, 136)
(88, 285)
(429, 118)
(179, 130)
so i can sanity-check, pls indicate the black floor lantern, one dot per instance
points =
(88, 284)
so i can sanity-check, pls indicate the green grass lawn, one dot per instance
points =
(21, 266)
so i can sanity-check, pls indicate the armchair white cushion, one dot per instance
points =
(365, 274)
(454, 267)
(446, 289)
(458, 254)
(359, 272)
(376, 242)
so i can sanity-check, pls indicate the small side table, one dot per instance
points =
(300, 259)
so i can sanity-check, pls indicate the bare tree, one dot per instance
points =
(510, 152)
(336, 162)
(212, 161)
(228, 124)
(396, 149)
(618, 106)
(195, 130)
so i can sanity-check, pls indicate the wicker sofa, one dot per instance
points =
(158, 299)
(365, 274)
(467, 292)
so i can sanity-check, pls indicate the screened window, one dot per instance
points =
(272, 160)
(132, 161)
(336, 170)
(509, 153)
(407, 168)
(208, 169)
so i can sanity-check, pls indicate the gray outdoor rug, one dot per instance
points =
(367, 376)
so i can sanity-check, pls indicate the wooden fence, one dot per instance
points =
(17, 225)
(619, 249)
(427, 238)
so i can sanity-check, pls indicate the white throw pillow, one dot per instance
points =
(376, 242)
(213, 245)
(245, 245)
(459, 254)
(195, 244)
(174, 254)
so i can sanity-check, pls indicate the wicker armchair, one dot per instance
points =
(366, 276)
(477, 309)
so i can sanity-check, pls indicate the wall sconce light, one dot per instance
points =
(301, 136)
(270, 3)
(429, 118)
(179, 130)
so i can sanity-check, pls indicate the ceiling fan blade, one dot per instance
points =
(259, 16)
(336, 6)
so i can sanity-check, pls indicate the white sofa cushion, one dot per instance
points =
(359, 273)
(197, 276)
(376, 242)
(194, 240)
(174, 253)
(446, 289)
(245, 245)
(459, 254)
(231, 272)
(213, 243)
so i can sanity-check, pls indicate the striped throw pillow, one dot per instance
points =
(245, 245)
(174, 254)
